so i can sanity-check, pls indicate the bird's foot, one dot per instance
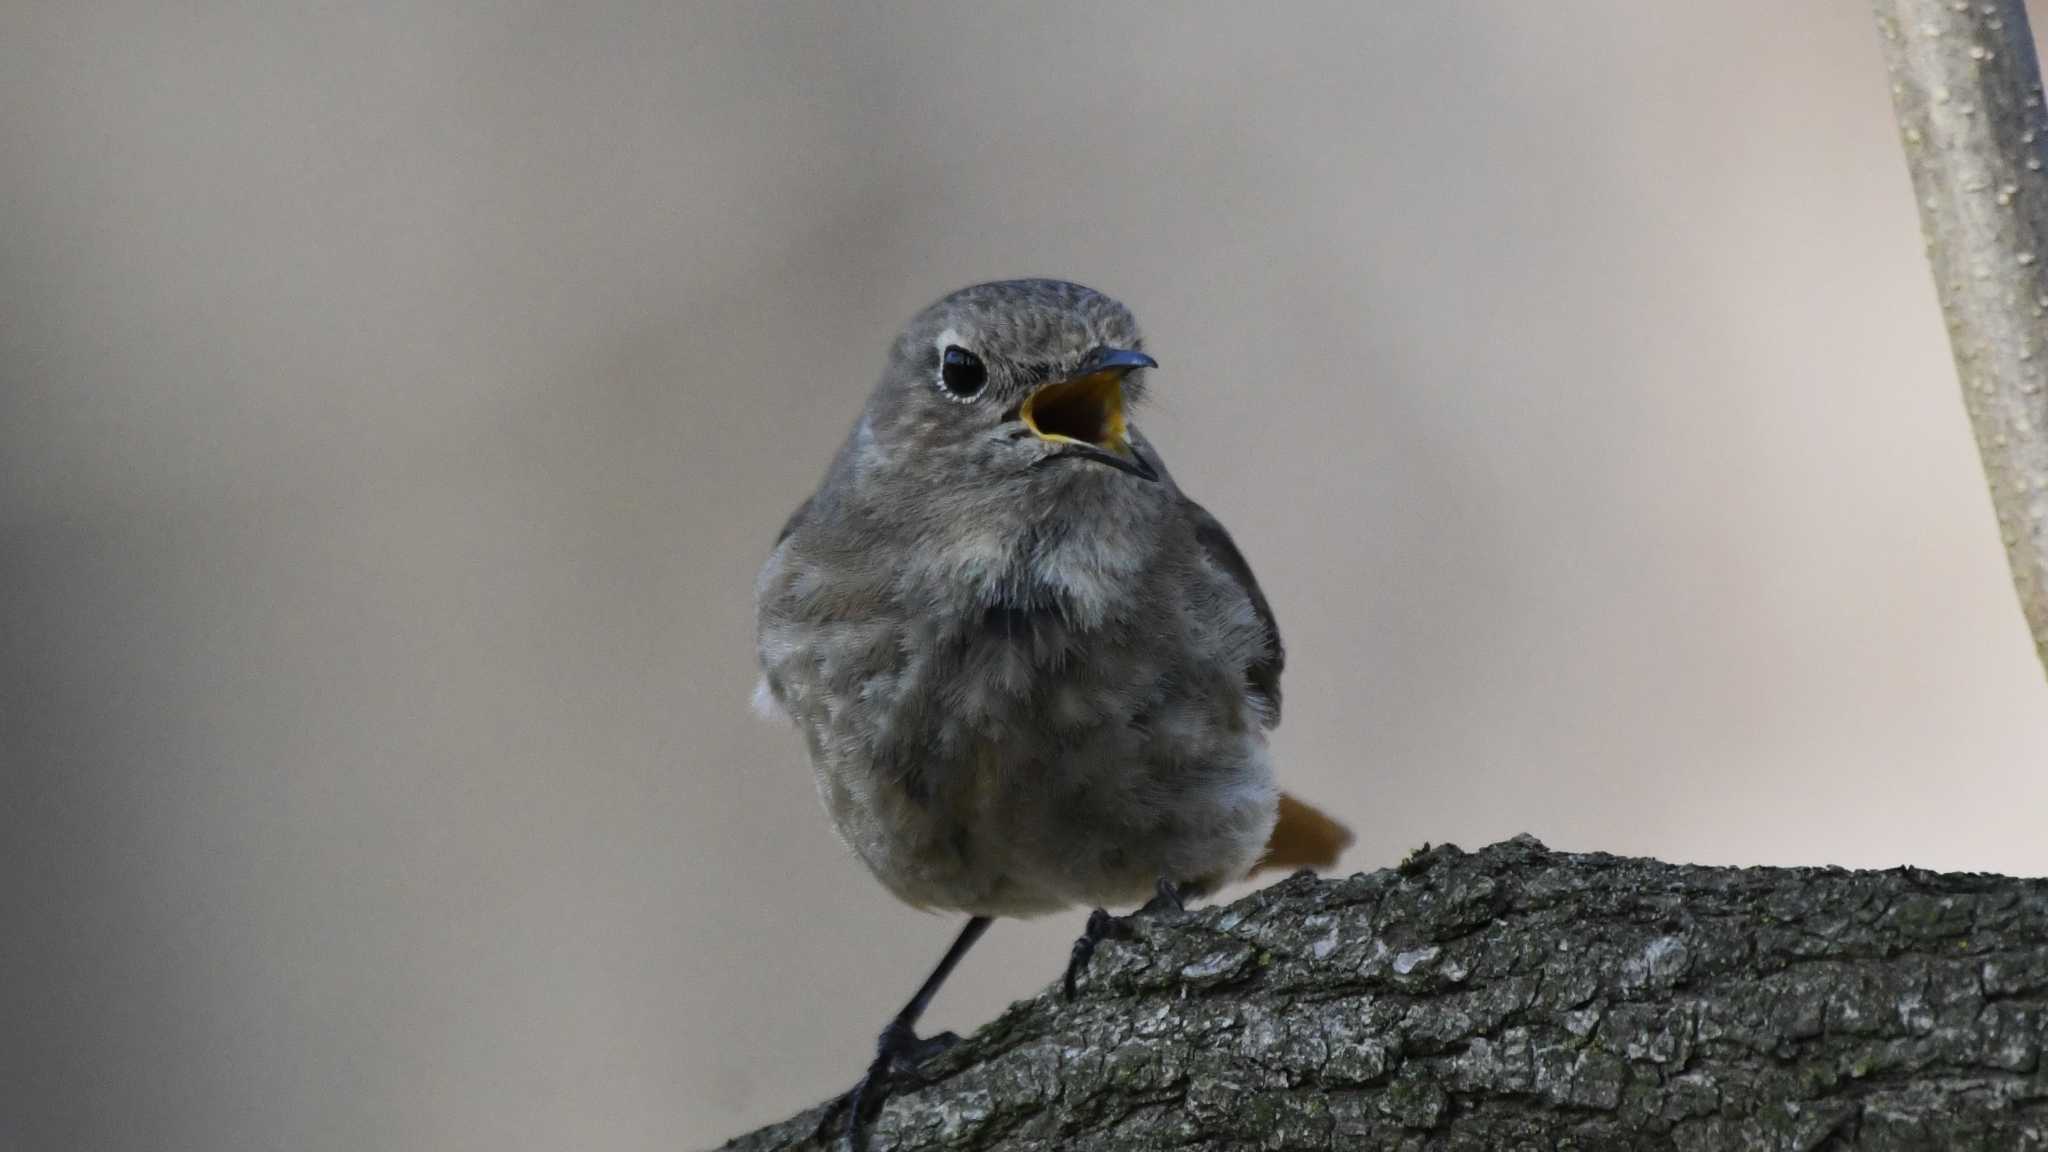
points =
(1166, 899)
(897, 1050)
(1102, 926)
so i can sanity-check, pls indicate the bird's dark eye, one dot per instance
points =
(962, 372)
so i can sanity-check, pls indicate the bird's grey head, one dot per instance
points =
(1011, 384)
(995, 464)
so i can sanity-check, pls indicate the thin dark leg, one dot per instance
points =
(969, 933)
(1102, 926)
(900, 1045)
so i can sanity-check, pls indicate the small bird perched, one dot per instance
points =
(1032, 674)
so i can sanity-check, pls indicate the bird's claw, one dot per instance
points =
(899, 1049)
(1102, 926)
(1166, 899)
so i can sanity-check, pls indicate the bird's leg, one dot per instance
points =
(899, 1046)
(1102, 926)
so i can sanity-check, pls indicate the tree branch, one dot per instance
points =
(1521, 998)
(1967, 91)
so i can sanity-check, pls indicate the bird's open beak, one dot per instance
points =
(1085, 412)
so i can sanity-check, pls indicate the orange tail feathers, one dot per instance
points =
(1303, 838)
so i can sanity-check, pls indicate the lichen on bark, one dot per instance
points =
(1521, 998)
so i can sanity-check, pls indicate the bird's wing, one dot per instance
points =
(1262, 678)
(1303, 835)
(768, 702)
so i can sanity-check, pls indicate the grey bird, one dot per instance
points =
(1031, 673)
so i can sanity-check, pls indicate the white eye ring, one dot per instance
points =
(962, 375)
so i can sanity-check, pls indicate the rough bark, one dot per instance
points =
(1967, 91)
(1521, 998)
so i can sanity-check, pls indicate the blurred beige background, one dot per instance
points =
(396, 402)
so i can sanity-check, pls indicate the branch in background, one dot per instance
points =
(1967, 91)
(1521, 998)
